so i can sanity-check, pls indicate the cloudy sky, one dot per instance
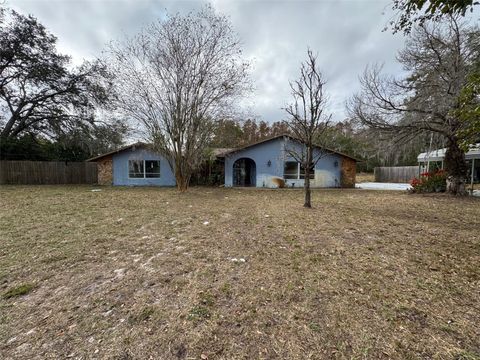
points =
(347, 35)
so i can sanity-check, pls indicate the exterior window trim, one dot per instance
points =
(144, 170)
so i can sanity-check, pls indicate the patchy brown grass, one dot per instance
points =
(138, 273)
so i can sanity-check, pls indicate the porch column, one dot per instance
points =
(472, 173)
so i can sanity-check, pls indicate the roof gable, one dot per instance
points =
(286, 136)
(137, 145)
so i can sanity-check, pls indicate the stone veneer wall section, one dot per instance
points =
(349, 170)
(105, 171)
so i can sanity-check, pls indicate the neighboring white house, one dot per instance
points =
(434, 159)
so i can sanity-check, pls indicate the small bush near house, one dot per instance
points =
(430, 182)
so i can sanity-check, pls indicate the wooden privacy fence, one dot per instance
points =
(47, 172)
(398, 174)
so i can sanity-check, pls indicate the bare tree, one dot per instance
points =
(175, 78)
(437, 57)
(308, 121)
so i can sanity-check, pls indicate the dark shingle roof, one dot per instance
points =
(289, 136)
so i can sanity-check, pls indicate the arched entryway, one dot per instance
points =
(244, 172)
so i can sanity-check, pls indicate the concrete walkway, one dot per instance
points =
(393, 186)
(383, 186)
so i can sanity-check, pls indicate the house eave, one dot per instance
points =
(233, 151)
(124, 148)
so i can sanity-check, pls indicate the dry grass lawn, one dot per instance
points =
(139, 273)
(365, 177)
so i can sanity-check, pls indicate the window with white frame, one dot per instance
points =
(141, 169)
(295, 170)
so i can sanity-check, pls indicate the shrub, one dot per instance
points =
(429, 182)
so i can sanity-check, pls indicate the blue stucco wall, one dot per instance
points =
(261, 154)
(326, 173)
(120, 169)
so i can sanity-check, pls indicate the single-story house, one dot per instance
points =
(267, 163)
(434, 160)
(136, 165)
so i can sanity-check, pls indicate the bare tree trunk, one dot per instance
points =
(308, 195)
(8, 128)
(182, 181)
(308, 192)
(182, 175)
(456, 168)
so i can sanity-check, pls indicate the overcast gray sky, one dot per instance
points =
(347, 35)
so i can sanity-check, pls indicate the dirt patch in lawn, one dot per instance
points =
(138, 273)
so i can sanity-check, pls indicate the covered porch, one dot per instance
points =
(433, 160)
